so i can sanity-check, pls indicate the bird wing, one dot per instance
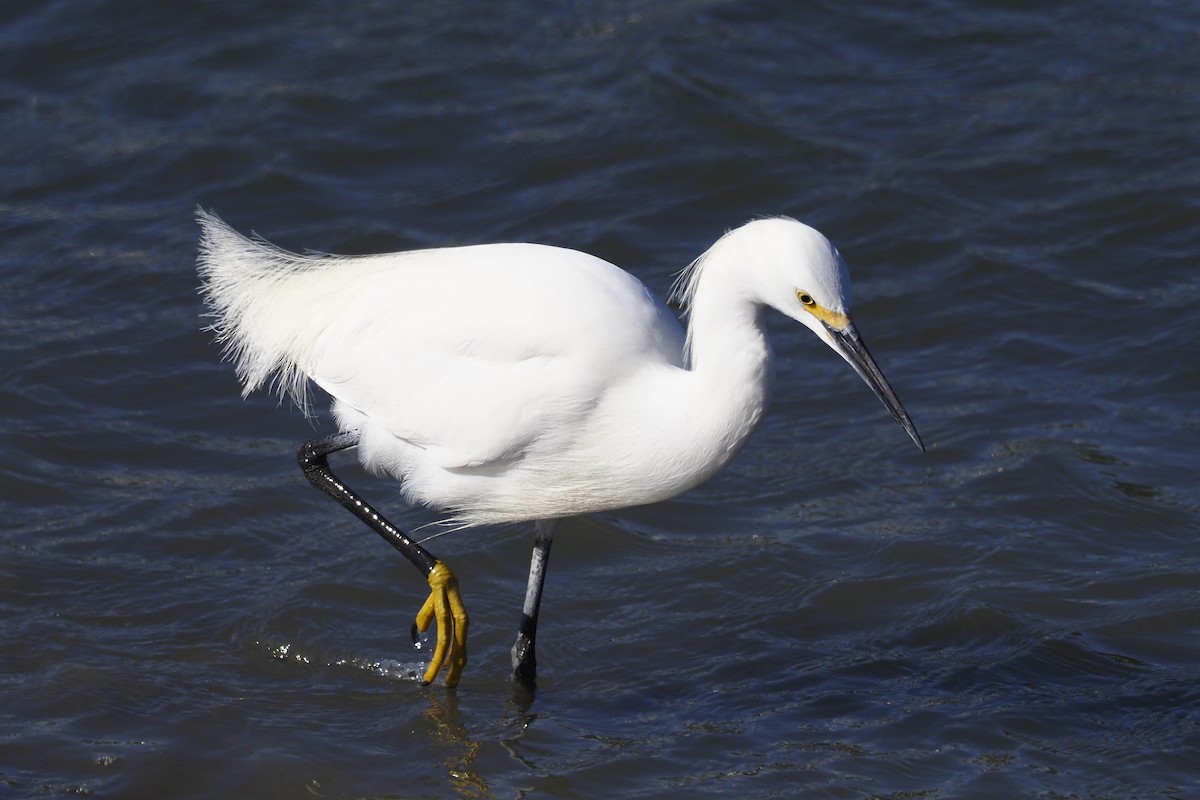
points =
(477, 354)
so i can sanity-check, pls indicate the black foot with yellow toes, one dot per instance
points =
(445, 602)
(446, 605)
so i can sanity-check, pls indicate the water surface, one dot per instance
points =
(1011, 614)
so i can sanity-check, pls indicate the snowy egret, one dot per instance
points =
(506, 382)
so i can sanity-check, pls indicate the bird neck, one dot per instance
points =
(731, 360)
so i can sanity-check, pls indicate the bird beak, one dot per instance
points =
(851, 347)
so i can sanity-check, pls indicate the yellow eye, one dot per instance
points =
(805, 298)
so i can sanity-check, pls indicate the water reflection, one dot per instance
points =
(444, 725)
(463, 748)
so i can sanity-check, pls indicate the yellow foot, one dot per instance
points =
(445, 603)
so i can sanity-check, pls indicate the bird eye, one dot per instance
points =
(805, 298)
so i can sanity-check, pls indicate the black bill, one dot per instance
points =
(851, 346)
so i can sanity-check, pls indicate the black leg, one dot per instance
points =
(524, 659)
(313, 459)
(444, 603)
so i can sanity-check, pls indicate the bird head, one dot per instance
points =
(802, 275)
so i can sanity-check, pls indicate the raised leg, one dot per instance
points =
(524, 659)
(444, 603)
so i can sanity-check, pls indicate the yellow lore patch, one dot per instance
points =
(834, 319)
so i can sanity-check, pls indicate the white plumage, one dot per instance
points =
(508, 382)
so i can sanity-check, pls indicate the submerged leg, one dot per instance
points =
(445, 601)
(524, 660)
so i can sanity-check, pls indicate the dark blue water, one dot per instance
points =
(1015, 613)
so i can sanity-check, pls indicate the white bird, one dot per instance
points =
(505, 382)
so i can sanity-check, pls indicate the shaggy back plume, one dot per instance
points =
(255, 293)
